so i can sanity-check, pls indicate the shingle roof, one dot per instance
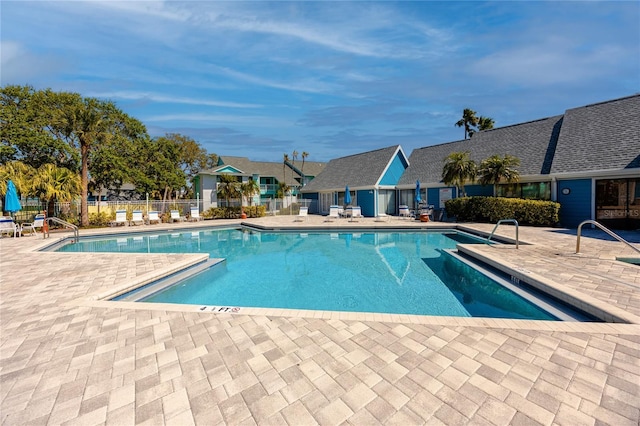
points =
(358, 170)
(532, 142)
(600, 136)
(265, 168)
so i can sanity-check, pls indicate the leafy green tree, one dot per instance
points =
(248, 189)
(52, 183)
(485, 123)
(283, 190)
(88, 122)
(28, 130)
(228, 187)
(20, 174)
(458, 169)
(495, 170)
(469, 121)
(193, 157)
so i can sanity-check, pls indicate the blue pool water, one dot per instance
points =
(387, 272)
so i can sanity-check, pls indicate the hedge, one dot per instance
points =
(234, 212)
(493, 209)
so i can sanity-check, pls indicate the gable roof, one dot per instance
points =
(357, 171)
(600, 136)
(533, 143)
(247, 167)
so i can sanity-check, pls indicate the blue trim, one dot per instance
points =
(395, 171)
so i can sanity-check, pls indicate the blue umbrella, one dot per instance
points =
(347, 196)
(418, 197)
(11, 201)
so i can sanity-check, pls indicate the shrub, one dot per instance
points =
(493, 209)
(100, 219)
(234, 212)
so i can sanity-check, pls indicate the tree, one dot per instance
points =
(495, 170)
(248, 189)
(228, 187)
(52, 183)
(87, 122)
(468, 121)
(459, 168)
(192, 158)
(305, 154)
(28, 131)
(283, 190)
(485, 123)
(20, 174)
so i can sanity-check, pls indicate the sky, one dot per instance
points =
(261, 79)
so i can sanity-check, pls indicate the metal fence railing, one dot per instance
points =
(273, 206)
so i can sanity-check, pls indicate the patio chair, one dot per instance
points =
(38, 222)
(302, 215)
(354, 212)
(8, 226)
(175, 216)
(403, 211)
(334, 213)
(136, 218)
(153, 217)
(121, 219)
(194, 216)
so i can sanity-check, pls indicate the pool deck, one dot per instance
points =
(67, 357)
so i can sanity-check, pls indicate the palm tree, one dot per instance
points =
(305, 154)
(52, 183)
(228, 187)
(248, 189)
(469, 121)
(20, 174)
(485, 123)
(495, 170)
(283, 189)
(459, 168)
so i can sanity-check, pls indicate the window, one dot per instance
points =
(528, 190)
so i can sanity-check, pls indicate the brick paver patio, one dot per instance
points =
(67, 357)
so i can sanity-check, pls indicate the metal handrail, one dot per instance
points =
(64, 223)
(515, 222)
(605, 229)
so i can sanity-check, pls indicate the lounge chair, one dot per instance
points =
(121, 218)
(302, 215)
(153, 217)
(38, 222)
(334, 213)
(354, 212)
(403, 211)
(8, 226)
(194, 216)
(136, 218)
(175, 216)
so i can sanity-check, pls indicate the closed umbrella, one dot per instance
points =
(418, 197)
(11, 201)
(347, 196)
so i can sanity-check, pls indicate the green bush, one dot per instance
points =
(493, 209)
(100, 219)
(234, 212)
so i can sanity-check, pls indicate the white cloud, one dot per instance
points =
(154, 97)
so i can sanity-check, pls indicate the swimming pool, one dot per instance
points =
(386, 272)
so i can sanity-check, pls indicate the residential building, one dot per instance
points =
(269, 176)
(371, 176)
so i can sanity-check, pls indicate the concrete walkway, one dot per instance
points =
(67, 357)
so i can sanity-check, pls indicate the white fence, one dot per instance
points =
(274, 206)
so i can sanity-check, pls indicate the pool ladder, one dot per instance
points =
(64, 223)
(605, 229)
(515, 222)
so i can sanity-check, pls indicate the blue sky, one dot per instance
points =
(260, 79)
